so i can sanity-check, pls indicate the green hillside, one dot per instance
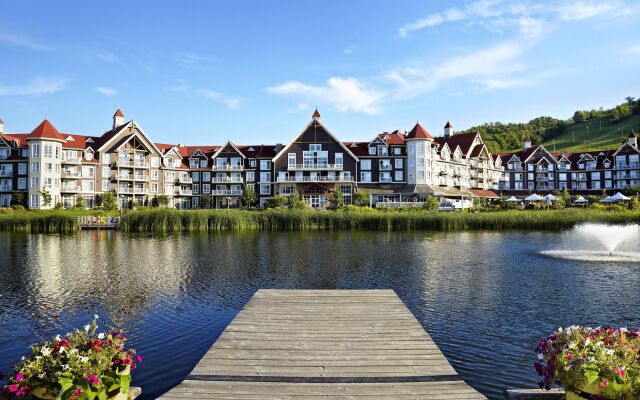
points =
(603, 133)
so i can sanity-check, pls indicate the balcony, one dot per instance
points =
(315, 167)
(141, 177)
(6, 172)
(184, 192)
(282, 179)
(226, 192)
(227, 180)
(71, 174)
(385, 167)
(141, 164)
(141, 191)
(69, 189)
(74, 160)
(125, 177)
(228, 167)
(185, 179)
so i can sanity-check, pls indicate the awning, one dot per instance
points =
(489, 194)
(433, 190)
(550, 197)
(309, 187)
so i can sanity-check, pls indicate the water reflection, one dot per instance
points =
(485, 297)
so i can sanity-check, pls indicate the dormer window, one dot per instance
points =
(88, 155)
(372, 151)
(607, 164)
(203, 163)
(193, 163)
(382, 150)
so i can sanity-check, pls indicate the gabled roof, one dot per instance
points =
(45, 131)
(418, 132)
(316, 114)
(392, 138)
(463, 140)
(259, 151)
(118, 113)
(360, 149)
(228, 143)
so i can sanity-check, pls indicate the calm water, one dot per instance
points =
(484, 297)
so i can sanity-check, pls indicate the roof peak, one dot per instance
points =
(418, 132)
(45, 130)
(316, 114)
(448, 125)
(118, 113)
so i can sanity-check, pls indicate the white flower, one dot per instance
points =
(45, 351)
(87, 327)
(58, 338)
(22, 358)
(540, 356)
(609, 351)
(65, 367)
(95, 316)
(101, 336)
(61, 349)
(84, 359)
(586, 342)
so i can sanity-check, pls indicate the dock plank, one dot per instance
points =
(347, 344)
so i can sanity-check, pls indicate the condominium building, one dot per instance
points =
(126, 162)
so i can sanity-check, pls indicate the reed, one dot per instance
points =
(49, 221)
(168, 220)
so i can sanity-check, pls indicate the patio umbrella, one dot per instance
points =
(512, 199)
(550, 197)
(619, 197)
(580, 200)
(534, 197)
(606, 200)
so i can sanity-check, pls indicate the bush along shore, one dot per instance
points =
(347, 218)
(166, 220)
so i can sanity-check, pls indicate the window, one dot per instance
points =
(195, 188)
(265, 176)
(265, 165)
(35, 167)
(372, 151)
(607, 164)
(87, 186)
(382, 150)
(155, 162)
(421, 175)
(203, 163)
(4, 153)
(365, 164)
(195, 176)
(397, 151)
(365, 176)
(399, 176)
(22, 183)
(315, 147)
(35, 199)
(155, 174)
(48, 150)
(193, 163)
(87, 172)
(35, 149)
(292, 160)
(88, 155)
(106, 186)
(35, 183)
(106, 172)
(287, 189)
(265, 189)
(154, 187)
(206, 188)
(252, 163)
(529, 167)
(22, 168)
(338, 159)
(399, 163)
(206, 177)
(251, 176)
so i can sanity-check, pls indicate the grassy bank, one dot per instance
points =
(165, 220)
(46, 221)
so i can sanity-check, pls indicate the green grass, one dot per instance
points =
(45, 221)
(610, 137)
(166, 220)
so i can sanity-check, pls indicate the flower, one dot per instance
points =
(93, 379)
(58, 337)
(19, 377)
(13, 388)
(95, 316)
(87, 327)
(101, 336)
(45, 351)
(604, 383)
(77, 392)
(139, 358)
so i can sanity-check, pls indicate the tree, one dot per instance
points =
(621, 112)
(205, 202)
(432, 203)
(17, 199)
(360, 198)
(296, 201)
(109, 201)
(80, 203)
(565, 195)
(154, 202)
(249, 197)
(275, 201)
(336, 199)
(580, 116)
(163, 200)
(46, 197)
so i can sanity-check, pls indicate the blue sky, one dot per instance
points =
(204, 72)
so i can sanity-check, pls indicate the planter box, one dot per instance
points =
(534, 394)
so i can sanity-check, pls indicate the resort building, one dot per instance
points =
(45, 167)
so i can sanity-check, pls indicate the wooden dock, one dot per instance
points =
(290, 344)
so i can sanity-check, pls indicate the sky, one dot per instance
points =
(203, 72)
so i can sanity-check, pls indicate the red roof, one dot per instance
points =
(418, 132)
(358, 148)
(489, 194)
(118, 113)
(45, 130)
(316, 114)
(394, 137)
(1, 121)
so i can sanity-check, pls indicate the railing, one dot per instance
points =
(69, 189)
(71, 174)
(73, 160)
(315, 167)
(5, 172)
(226, 192)
(141, 191)
(227, 167)
(126, 177)
(314, 179)
(141, 177)
(227, 180)
(386, 180)
(184, 192)
(627, 176)
(628, 166)
(185, 179)
(385, 167)
(141, 164)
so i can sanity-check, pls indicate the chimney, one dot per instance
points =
(1, 126)
(527, 143)
(632, 140)
(448, 130)
(316, 115)
(180, 145)
(118, 119)
(279, 147)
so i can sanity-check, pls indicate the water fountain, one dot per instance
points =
(600, 242)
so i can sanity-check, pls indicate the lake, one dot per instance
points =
(485, 297)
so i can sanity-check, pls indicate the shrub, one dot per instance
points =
(276, 201)
(58, 206)
(432, 203)
(336, 200)
(360, 198)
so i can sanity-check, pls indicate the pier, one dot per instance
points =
(289, 344)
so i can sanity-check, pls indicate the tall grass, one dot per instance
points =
(167, 220)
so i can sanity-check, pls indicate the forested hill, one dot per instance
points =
(586, 130)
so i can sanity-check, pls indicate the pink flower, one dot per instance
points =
(77, 392)
(19, 377)
(116, 361)
(13, 388)
(569, 356)
(604, 383)
(23, 391)
(139, 358)
(93, 379)
(619, 371)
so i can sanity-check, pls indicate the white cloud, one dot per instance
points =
(343, 94)
(107, 56)
(196, 61)
(22, 41)
(181, 87)
(635, 49)
(349, 50)
(232, 104)
(529, 18)
(109, 92)
(35, 87)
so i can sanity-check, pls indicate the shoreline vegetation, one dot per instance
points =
(348, 218)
